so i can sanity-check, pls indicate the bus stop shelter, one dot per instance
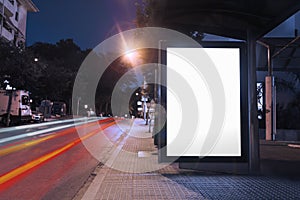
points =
(239, 19)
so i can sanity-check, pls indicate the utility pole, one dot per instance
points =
(8, 110)
(78, 101)
(144, 99)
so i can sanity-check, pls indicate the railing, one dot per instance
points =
(7, 27)
(7, 34)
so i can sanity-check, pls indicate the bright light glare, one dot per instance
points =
(132, 57)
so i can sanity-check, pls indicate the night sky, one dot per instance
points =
(88, 22)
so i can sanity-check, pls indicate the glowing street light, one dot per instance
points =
(133, 57)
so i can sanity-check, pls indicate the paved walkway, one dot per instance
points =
(280, 158)
(132, 172)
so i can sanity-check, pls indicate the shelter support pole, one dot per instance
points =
(254, 165)
(268, 90)
(270, 98)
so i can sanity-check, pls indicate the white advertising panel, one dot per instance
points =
(185, 63)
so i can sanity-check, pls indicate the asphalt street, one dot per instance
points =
(50, 160)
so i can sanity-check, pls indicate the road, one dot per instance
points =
(50, 160)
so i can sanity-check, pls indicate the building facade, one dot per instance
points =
(13, 16)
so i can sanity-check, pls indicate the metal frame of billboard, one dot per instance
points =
(162, 137)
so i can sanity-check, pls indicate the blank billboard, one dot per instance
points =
(203, 102)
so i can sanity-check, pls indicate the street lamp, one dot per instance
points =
(8, 87)
(133, 58)
(78, 102)
(131, 55)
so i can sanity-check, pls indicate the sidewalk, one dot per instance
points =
(132, 172)
(281, 158)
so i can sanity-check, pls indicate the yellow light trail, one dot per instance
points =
(19, 147)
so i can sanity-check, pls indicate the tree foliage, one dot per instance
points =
(46, 70)
(287, 100)
(145, 13)
(62, 62)
(148, 15)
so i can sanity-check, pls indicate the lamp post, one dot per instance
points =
(78, 101)
(9, 92)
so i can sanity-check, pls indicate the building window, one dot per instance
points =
(17, 12)
(17, 16)
(25, 100)
(12, 1)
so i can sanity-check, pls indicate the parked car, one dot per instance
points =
(37, 117)
(59, 108)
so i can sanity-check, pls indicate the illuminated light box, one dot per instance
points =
(204, 103)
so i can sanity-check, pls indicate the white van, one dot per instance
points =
(15, 105)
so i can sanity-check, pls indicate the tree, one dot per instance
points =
(287, 100)
(63, 60)
(18, 66)
(147, 16)
(46, 70)
(145, 13)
